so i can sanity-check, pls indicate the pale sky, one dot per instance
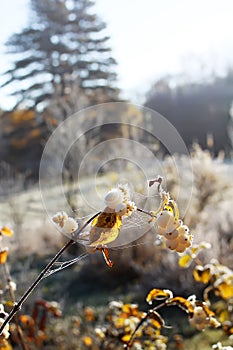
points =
(150, 38)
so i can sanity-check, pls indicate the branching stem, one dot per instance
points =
(25, 296)
(148, 314)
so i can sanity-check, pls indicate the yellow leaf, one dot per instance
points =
(173, 208)
(130, 310)
(105, 229)
(225, 290)
(6, 231)
(158, 294)
(119, 322)
(228, 328)
(182, 303)
(194, 250)
(185, 260)
(107, 219)
(87, 341)
(105, 237)
(3, 255)
(126, 338)
(202, 274)
(223, 316)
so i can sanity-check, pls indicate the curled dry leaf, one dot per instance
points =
(183, 303)
(158, 294)
(105, 253)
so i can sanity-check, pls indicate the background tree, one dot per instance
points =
(61, 62)
(62, 51)
(199, 111)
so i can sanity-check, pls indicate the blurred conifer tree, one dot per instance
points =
(60, 57)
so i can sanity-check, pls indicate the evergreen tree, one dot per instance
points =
(62, 52)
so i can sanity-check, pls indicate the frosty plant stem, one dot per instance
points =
(25, 296)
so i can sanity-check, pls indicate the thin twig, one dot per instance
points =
(25, 296)
(12, 295)
(148, 314)
(145, 212)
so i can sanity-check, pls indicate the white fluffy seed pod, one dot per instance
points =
(113, 198)
(60, 218)
(70, 225)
